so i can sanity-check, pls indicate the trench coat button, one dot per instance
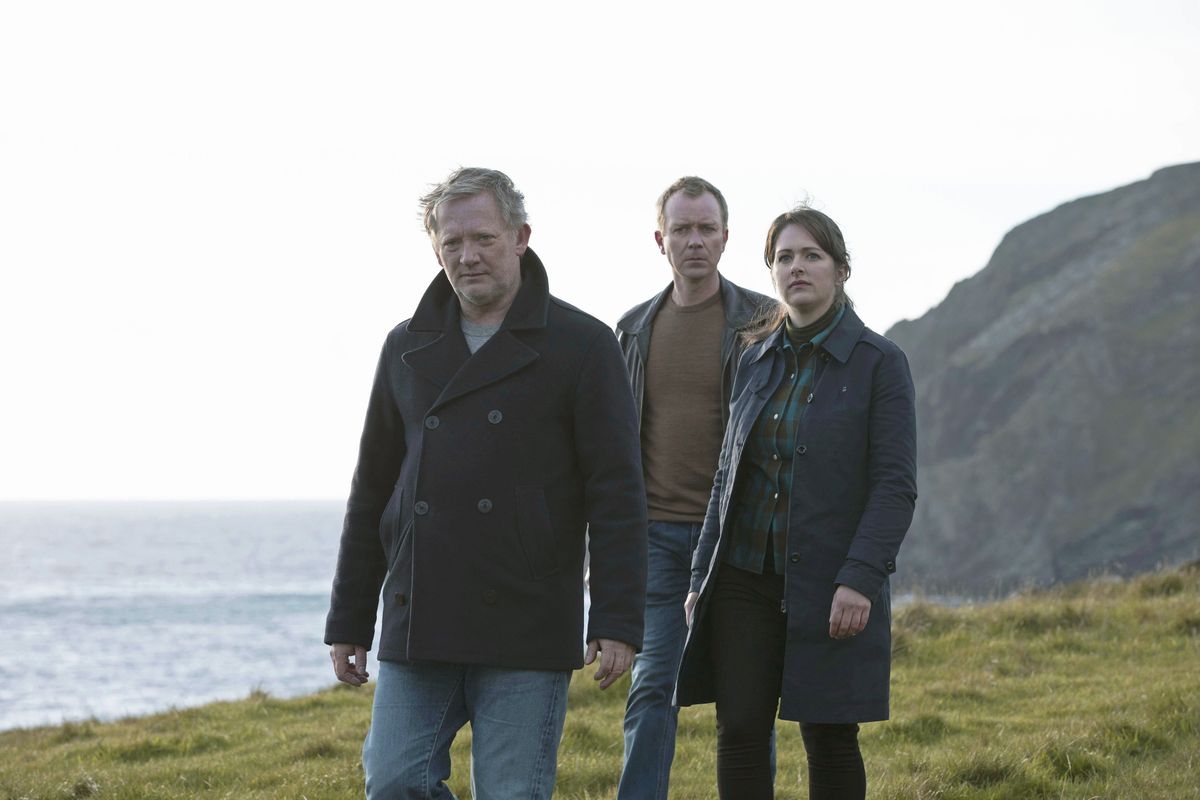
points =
(890, 566)
(489, 597)
(432, 422)
(420, 508)
(495, 416)
(802, 449)
(810, 397)
(775, 416)
(484, 506)
(400, 599)
(795, 559)
(774, 456)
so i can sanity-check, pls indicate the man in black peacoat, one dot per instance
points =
(481, 479)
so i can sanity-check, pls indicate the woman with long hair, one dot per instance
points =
(789, 609)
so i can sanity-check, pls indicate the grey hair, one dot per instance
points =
(470, 181)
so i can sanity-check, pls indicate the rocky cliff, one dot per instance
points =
(1058, 398)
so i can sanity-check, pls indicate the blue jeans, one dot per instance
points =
(650, 716)
(516, 718)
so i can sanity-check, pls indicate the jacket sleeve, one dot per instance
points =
(706, 545)
(891, 476)
(710, 533)
(608, 449)
(361, 563)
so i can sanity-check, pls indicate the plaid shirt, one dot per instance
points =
(759, 513)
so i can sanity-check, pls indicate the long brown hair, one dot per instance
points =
(828, 236)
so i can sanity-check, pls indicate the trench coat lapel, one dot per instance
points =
(449, 364)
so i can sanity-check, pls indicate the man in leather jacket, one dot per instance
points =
(681, 349)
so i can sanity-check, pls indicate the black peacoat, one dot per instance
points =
(479, 480)
(853, 490)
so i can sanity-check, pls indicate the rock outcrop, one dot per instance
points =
(1058, 398)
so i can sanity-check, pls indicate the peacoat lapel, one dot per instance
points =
(449, 364)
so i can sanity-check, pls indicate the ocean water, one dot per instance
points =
(116, 609)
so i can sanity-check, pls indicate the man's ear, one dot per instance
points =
(436, 253)
(659, 241)
(523, 238)
(724, 239)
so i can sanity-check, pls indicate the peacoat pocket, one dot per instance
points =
(391, 536)
(535, 533)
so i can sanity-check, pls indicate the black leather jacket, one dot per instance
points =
(633, 332)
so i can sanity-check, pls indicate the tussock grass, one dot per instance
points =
(1088, 691)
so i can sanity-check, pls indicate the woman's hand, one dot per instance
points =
(849, 613)
(689, 605)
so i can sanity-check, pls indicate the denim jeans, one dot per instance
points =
(650, 717)
(516, 718)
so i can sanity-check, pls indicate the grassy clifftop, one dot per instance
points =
(1087, 691)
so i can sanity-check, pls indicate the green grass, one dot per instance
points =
(1089, 691)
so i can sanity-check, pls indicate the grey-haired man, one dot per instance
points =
(500, 429)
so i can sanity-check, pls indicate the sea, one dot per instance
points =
(110, 610)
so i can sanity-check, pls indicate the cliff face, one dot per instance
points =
(1058, 396)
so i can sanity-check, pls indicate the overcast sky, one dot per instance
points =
(208, 214)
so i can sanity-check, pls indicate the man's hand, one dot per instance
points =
(347, 671)
(849, 613)
(689, 605)
(615, 660)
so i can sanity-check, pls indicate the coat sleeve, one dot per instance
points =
(891, 477)
(706, 545)
(710, 533)
(608, 448)
(361, 563)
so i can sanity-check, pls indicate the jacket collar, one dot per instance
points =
(641, 318)
(448, 363)
(439, 309)
(839, 345)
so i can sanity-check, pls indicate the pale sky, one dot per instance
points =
(208, 211)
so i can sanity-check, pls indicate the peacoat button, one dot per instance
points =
(802, 449)
(489, 597)
(795, 559)
(432, 422)
(484, 506)
(890, 566)
(495, 416)
(400, 599)
(420, 508)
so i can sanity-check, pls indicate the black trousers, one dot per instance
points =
(748, 636)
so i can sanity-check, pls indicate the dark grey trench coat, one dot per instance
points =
(853, 490)
(479, 479)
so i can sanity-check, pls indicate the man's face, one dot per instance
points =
(480, 253)
(695, 236)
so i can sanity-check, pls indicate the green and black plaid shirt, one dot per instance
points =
(759, 513)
